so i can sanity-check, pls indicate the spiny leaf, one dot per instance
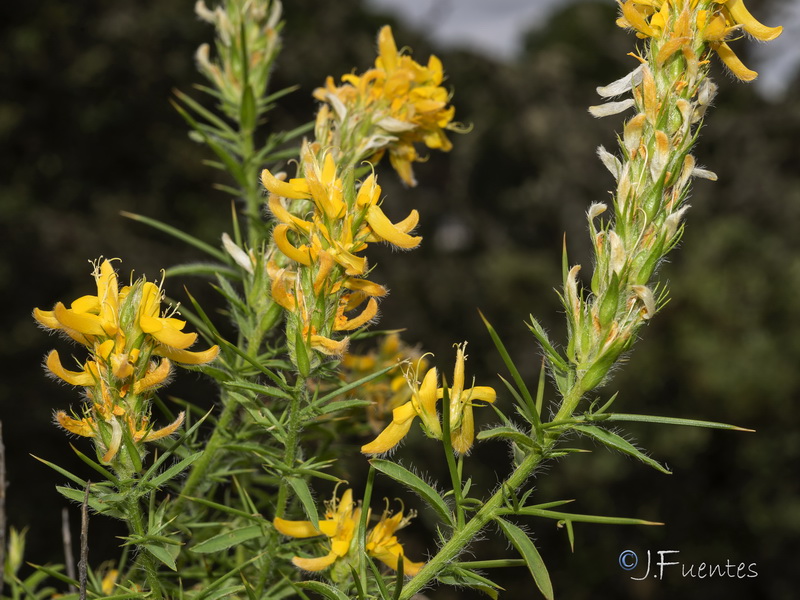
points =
(425, 491)
(520, 540)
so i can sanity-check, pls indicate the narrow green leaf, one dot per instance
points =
(203, 270)
(227, 509)
(617, 442)
(508, 433)
(384, 592)
(425, 491)
(175, 469)
(247, 111)
(78, 495)
(228, 539)
(266, 390)
(520, 540)
(501, 349)
(96, 466)
(323, 589)
(672, 421)
(177, 233)
(64, 472)
(206, 114)
(579, 518)
(300, 488)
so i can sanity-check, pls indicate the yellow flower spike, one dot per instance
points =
(739, 13)
(462, 424)
(301, 255)
(84, 427)
(156, 375)
(295, 189)
(83, 378)
(386, 230)
(383, 544)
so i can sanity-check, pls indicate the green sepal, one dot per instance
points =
(323, 589)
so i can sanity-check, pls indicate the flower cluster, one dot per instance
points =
(340, 525)
(677, 26)
(319, 240)
(124, 331)
(393, 106)
(422, 404)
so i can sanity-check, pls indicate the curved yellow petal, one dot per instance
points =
(164, 431)
(187, 357)
(301, 255)
(84, 427)
(463, 436)
(388, 438)
(295, 189)
(162, 330)
(154, 377)
(284, 216)
(314, 564)
(328, 346)
(366, 316)
(741, 15)
(296, 529)
(85, 323)
(386, 230)
(46, 318)
(733, 63)
(387, 49)
(82, 378)
(363, 285)
(482, 393)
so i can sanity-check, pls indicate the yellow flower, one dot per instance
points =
(714, 20)
(462, 423)
(422, 405)
(341, 521)
(402, 98)
(383, 545)
(123, 329)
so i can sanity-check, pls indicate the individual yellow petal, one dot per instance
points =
(482, 393)
(741, 15)
(635, 18)
(363, 285)
(369, 193)
(84, 427)
(296, 529)
(82, 378)
(387, 231)
(46, 318)
(463, 436)
(295, 189)
(85, 323)
(186, 357)
(279, 212)
(281, 295)
(154, 377)
(733, 63)
(388, 438)
(328, 346)
(314, 564)
(164, 431)
(365, 317)
(164, 331)
(301, 254)
(387, 49)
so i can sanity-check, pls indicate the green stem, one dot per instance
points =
(145, 559)
(200, 467)
(290, 451)
(463, 536)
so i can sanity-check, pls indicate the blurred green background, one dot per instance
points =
(87, 131)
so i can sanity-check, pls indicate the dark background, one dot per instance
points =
(87, 131)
